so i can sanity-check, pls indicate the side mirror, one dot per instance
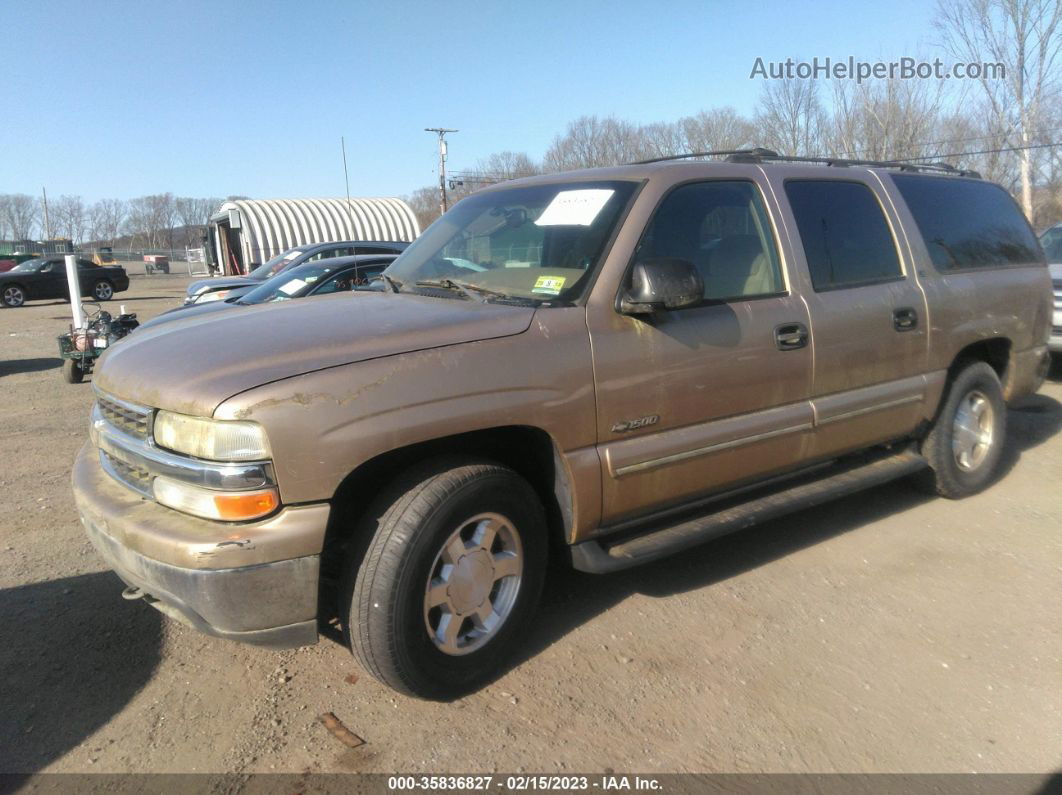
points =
(662, 283)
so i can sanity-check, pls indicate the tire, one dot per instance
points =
(964, 445)
(72, 372)
(431, 527)
(12, 296)
(103, 290)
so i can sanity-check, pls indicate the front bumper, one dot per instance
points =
(256, 583)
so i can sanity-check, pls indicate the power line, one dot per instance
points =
(856, 152)
(981, 152)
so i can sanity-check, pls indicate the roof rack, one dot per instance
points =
(761, 155)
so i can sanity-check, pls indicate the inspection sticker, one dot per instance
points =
(574, 207)
(550, 285)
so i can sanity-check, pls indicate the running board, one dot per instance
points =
(600, 557)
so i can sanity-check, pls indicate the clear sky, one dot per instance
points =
(121, 99)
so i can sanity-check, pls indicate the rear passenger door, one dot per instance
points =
(868, 315)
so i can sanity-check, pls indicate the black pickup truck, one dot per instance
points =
(45, 277)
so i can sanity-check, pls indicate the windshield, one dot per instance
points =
(293, 283)
(30, 266)
(272, 267)
(1052, 244)
(539, 242)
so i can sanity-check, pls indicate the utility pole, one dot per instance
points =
(441, 132)
(47, 226)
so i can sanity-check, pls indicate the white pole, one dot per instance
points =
(75, 291)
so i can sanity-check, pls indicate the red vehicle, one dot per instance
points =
(6, 264)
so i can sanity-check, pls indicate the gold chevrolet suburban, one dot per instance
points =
(617, 364)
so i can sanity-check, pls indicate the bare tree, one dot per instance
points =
(106, 218)
(791, 119)
(590, 141)
(21, 213)
(194, 214)
(718, 129)
(1026, 37)
(425, 205)
(884, 119)
(70, 218)
(4, 198)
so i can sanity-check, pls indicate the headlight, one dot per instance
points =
(217, 295)
(226, 506)
(214, 440)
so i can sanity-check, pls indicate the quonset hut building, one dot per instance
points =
(247, 232)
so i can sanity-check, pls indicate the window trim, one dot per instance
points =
(903, 275)
(778, 248)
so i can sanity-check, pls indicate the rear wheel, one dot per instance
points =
(72, 371)
(12, 296)
(452, 575)
(965, 444)
(103, 290)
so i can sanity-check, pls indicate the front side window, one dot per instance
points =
(723, 229)
(540, 242)
(846, 239)
(968, 223)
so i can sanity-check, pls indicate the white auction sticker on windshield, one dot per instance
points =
(292, 287)
(574, 207)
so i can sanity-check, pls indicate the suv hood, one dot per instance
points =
(193, 365)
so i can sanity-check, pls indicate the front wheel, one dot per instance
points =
(964, 445)
(12, 296)
(450, 579)
(73, 373)
(103, 290)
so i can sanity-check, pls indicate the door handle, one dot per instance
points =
(791, 336)
(904, 319)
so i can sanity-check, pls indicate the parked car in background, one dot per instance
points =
(616, 364)
(218, 289)
(323, 277)
(1051, 242)
(45, 277)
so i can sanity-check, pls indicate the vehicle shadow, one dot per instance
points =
(14, 366)
(71, 660)
(572, 598)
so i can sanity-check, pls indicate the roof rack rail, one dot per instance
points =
(761, 155)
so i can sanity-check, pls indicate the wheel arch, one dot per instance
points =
(531, 452)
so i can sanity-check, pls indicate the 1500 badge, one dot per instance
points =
(633, 425)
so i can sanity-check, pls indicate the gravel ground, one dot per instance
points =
(885, 632)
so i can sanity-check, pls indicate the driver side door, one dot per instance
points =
(702, 399)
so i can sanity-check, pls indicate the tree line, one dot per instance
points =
(161, 220)
(1001, 128)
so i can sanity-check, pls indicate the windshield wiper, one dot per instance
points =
(394, 284)
(468, 289)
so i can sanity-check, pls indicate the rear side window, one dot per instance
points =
(847, 242)
(968, 223)
(377, 250)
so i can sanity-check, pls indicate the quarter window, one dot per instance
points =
(846, 240)
(968, 223)
(723, 229)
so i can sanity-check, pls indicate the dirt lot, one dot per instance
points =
(885, 632)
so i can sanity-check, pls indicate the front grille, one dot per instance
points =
(127, 418)
(132, 476)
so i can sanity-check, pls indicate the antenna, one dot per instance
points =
(346, 181)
